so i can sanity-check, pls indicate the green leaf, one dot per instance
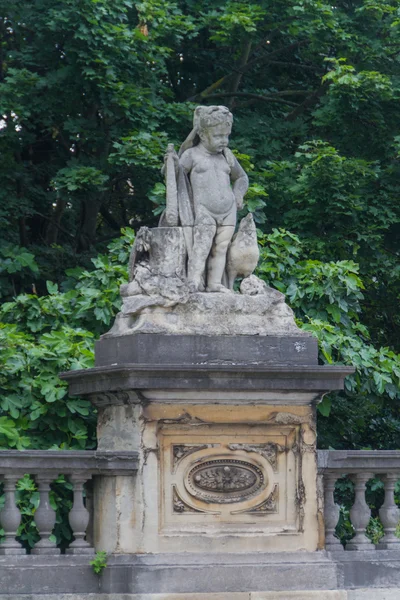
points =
(52, 288)
(324, 407)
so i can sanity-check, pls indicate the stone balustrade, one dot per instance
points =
(360, 466)
(46, 466)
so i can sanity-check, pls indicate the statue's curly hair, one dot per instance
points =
(209, 116)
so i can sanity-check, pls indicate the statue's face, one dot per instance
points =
(216, 138)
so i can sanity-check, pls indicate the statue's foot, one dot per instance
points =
(194, 287)
(218, 287)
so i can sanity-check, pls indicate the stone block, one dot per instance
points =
(369, 568)
(374, 594)
(11, 551)
(301, 595)
(241, 380)
(360, 594)
(213, 479)
(207, 349)
(40, 575)
(198, 573)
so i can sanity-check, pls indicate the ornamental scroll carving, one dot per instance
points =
(225, 481)
(180, 451)
(179, 506)
(269, 451)
(270, 505)
(267, 506)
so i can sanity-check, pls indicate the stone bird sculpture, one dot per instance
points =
(243, 252)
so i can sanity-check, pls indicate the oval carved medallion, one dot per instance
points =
(224, 480)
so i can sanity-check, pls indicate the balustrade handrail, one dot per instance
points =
(90, 462)
(353, 461)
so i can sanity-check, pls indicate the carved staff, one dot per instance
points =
(171, 212)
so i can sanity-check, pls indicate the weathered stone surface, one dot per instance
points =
(307, 595)
(243, 253)
(353, 461)
(229, 577)
(54, 462)
(158, 349)
(371, 594)
(213, 479)
(374, 594)
(223, 596)
(369, 568)
(165, 574)
(252, 286)
(236, 379)
(168, 308)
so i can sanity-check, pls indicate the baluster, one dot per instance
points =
(90, 507)
(389, 514)
(10, 518)
(331, 513)
(45, 518)
(360, 514)
(79, 518)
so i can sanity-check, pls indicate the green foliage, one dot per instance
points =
(327, 299)
(78, 177)
(15, 263)
(90, 93)
(99, 562)
(234, 19)
(40, 336)
(27, 499)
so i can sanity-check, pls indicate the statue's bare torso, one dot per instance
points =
(210, 178)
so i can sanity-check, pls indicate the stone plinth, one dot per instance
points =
(226, 448)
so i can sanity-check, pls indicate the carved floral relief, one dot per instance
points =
(225, 480)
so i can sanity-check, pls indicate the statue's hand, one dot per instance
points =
(239, 202)
(175, 159)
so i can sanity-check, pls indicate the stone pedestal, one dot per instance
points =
(226, 445)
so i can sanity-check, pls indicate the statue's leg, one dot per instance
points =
(216, 262)
(203, 235)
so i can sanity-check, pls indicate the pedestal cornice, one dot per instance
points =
(222, 379)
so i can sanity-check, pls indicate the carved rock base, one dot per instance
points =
(207, 314)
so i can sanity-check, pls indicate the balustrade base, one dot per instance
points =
(46, 551)
(360, 547)
(395, 545)
(334, 547)
(362, 594)
(77, 551)
(192, 576)
(11, 551)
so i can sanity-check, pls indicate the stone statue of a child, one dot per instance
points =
(217, 185)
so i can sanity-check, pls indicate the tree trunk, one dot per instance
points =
(54, 225)
(87, 232)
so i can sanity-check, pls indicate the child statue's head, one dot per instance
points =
(213, 125)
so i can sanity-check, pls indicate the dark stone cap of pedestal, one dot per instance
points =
(210, 378)
(164, 349)
(201, 365)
